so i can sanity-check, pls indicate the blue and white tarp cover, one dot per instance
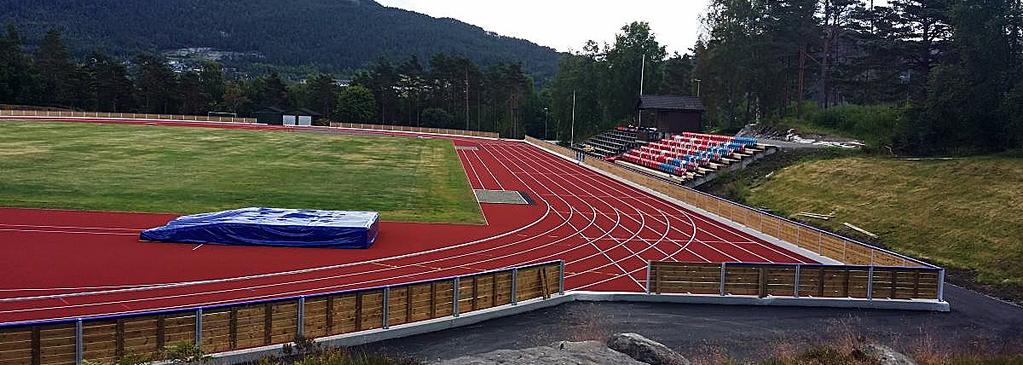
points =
(272, 227)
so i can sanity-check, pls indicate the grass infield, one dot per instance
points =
(964, 213)
(189, 170)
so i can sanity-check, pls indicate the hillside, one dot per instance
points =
(960, 213)
(331, 34)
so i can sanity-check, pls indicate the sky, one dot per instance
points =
(566, 25)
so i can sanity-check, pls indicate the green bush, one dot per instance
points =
(876, 125)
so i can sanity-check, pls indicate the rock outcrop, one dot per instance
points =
(561, 353)
(886, 356)
(645, 350)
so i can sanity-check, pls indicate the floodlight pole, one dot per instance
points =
(573, 119)
(642, 79)
(546, 119)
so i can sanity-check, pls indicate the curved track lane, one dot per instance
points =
(68, 264)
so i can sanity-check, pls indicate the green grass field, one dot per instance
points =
(965, 213)
(189, 170)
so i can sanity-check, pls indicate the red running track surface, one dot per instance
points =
(66, 264)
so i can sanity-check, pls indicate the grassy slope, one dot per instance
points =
(188, 170)
(964, 213)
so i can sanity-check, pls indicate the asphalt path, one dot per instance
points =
(976, 323)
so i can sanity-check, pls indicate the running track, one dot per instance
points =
(68, 264)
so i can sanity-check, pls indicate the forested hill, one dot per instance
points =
(329, 34)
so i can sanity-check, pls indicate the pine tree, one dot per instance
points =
(18, 79)
(156, 86)
(57, 71)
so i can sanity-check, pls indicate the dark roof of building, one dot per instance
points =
(271, 110)
(664, 102)
(304, 111)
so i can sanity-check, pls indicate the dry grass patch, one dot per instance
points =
(964, 213)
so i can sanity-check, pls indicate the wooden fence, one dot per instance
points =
(199, 118)
(255, 324)
(846, 250)
(401, 128)
(70, 114)
(796, 280)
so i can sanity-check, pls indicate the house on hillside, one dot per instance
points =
(672, 114)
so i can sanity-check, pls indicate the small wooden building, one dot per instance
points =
(294, 117)
(672, 114)
(271, 116)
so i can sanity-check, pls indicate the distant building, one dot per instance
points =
(673, 114)
(294, 117)
(271, 116)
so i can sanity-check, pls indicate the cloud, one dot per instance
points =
(567, 24)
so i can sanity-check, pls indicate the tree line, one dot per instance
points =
(600, 85)
(453, 92)
(447, 92)
(917, 76)
(951, 68)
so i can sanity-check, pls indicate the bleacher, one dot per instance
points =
(613, 142)
(689, 156)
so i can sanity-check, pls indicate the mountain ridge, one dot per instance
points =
(332, 35)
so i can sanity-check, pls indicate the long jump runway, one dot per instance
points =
(69, 264)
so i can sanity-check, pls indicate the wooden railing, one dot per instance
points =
(796, 280)
(401, 128)
(843, 249)
(279, 321)
(70, 114)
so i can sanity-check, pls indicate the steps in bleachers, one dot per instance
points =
(611, 143)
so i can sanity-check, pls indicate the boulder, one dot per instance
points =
(561, 353)
(645, 350)
(886, 356)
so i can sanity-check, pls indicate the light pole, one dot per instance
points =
(642, 78)
(697, 81)
(573, 119)
(546, 118)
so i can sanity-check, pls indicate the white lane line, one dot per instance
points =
(709, 222)
(606, 233)
(642, 226)
(484, 164)
(473, 169)
(310, 280)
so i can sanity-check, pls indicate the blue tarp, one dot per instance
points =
(272, 227)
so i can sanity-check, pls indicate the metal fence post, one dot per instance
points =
(79, 348)
(870, 282)
(198, 328)
(455, 296)
(515, 286)
(386, 307)
(300, 325)
(561, 277)
(941, 285)
(722, 278)
(649, 268)
(795, 290)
